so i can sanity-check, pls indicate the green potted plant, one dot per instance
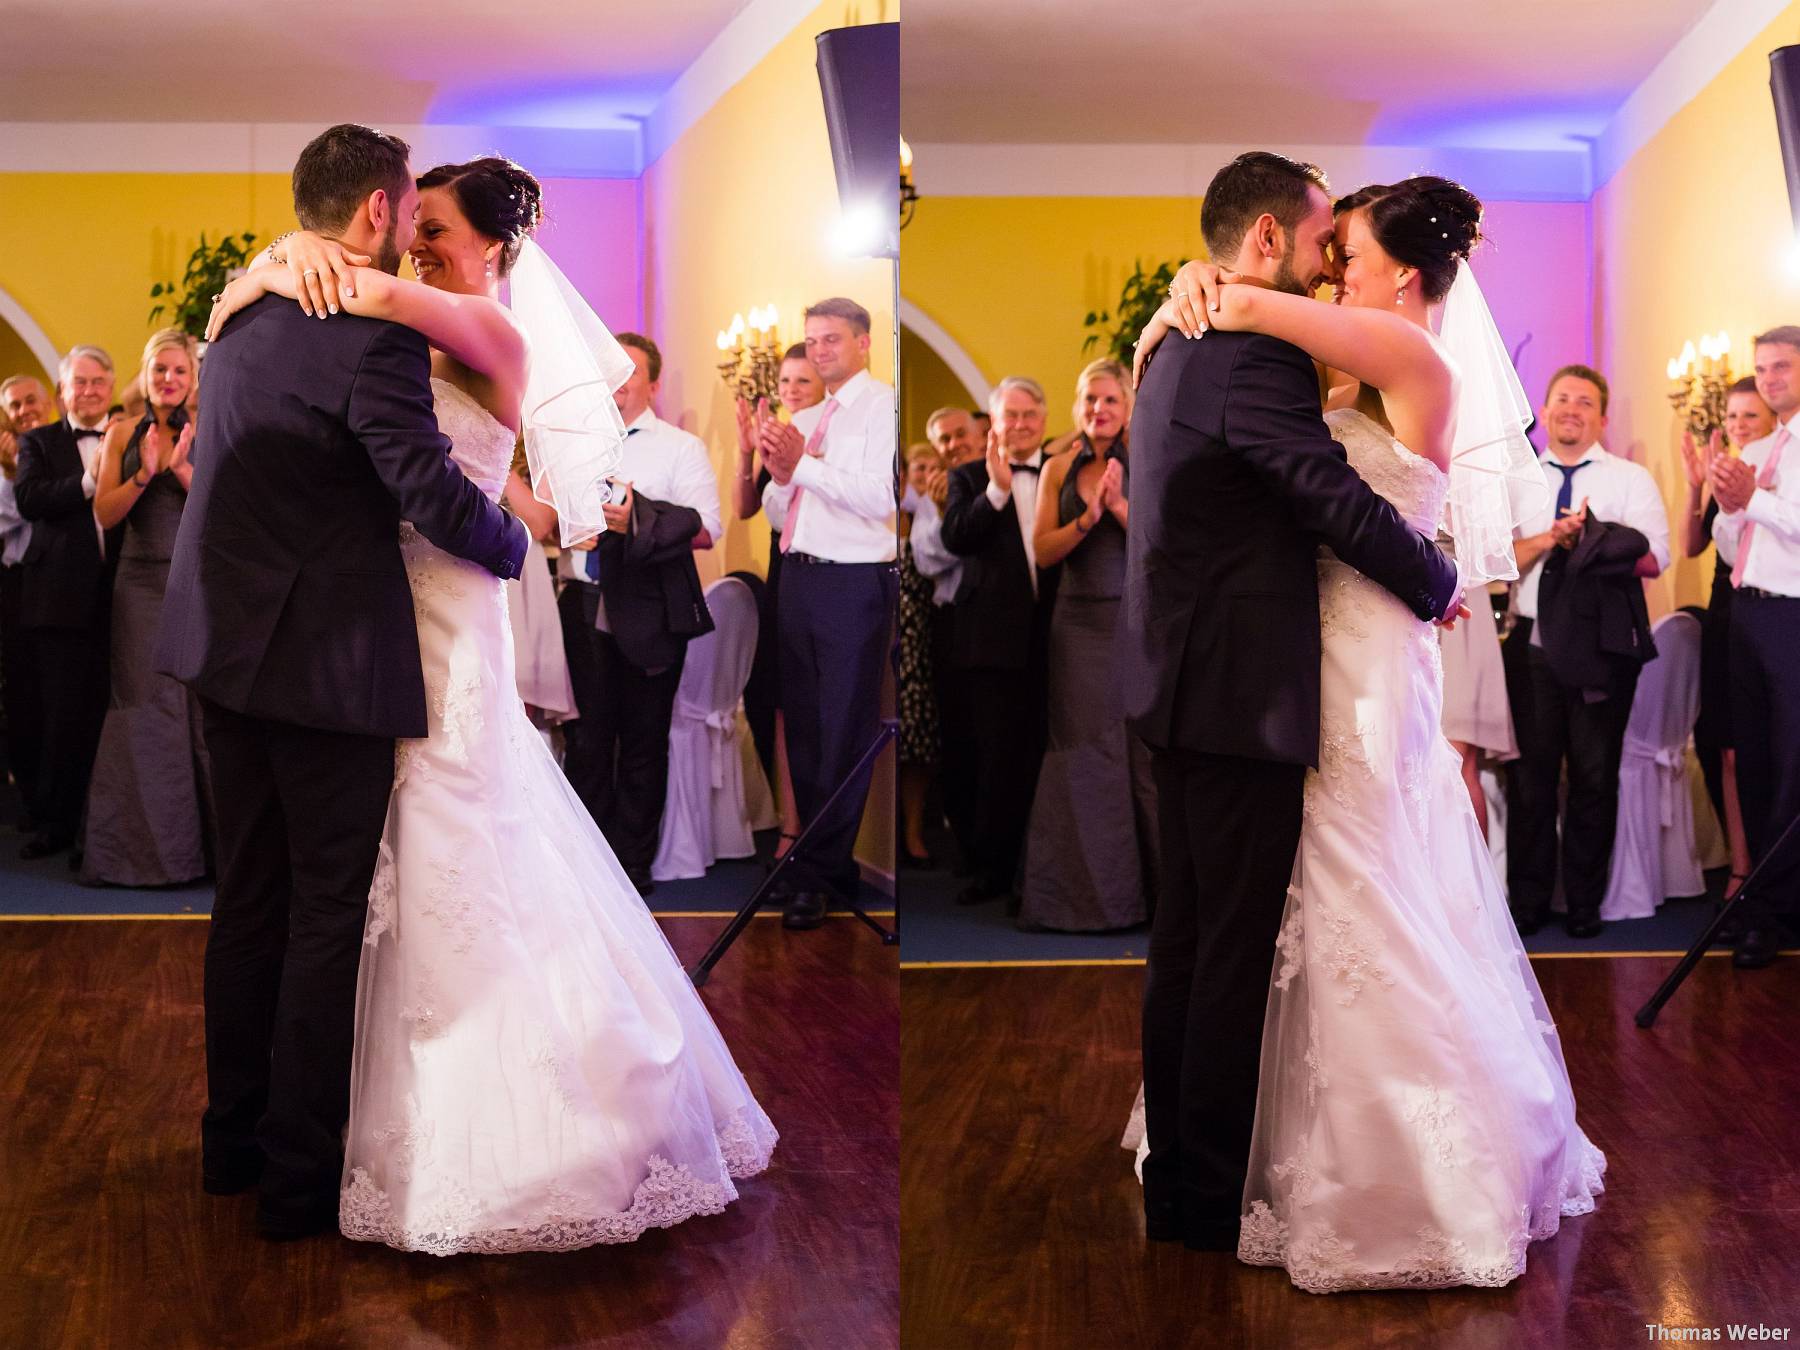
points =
(208, 269)
(1139, 299)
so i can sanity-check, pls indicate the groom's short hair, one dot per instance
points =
(338, 170)
(1257, 182)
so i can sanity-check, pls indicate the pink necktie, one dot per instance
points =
(1764, 479)
(814, 446)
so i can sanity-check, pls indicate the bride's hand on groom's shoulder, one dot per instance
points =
(322, 269)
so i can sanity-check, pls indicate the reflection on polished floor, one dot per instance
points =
(1022, 1223)
(106, 1239)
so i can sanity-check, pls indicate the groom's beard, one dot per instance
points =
(1286, 279)
(387, 254)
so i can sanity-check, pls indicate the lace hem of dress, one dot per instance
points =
(668, 1196)
(1324, 1263)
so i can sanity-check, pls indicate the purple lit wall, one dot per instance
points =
(593, 229)
(1536, 271)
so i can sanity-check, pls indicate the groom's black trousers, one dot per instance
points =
(300, 814)
(1230, 829)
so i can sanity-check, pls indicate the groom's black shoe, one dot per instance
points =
(229, 1178)
(1583, 925)
(1218, 1236)
(1527, 924)
(1162, 1220)
(288, 1224)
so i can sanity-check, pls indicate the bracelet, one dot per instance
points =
(274, 243)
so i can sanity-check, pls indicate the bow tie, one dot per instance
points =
(80, 432)
(1028, 468)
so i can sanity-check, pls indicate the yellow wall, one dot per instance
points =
(1691, 236)
(738, 213)
(1011, 278)
(79, 252)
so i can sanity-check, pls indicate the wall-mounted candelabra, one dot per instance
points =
(750, 355)
(1698, 382)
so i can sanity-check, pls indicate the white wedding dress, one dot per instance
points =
(533, 1069)
(1414, 1120)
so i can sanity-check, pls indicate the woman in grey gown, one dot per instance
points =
(149, 807)
(1089, 852)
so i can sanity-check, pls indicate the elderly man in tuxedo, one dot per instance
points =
(65, 602)
(999, 648)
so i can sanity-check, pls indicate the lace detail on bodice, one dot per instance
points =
(1412, 484)
(480, 443)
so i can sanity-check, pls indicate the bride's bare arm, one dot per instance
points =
(479, 332)
(1381, 350)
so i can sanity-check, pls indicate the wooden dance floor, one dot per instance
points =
(1022, 1224)
(108, 1243)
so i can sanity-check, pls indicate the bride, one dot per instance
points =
(533, 1069)
(1414, 1120)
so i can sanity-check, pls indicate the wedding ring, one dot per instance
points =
(310, 272)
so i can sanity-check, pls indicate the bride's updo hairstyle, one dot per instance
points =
(1427, 223)
(500, 199)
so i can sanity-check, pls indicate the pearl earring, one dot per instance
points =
(1400, 296)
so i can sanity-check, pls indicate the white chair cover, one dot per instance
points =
(707, 815)
(1654, 855)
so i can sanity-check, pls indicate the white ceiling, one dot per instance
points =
(548, 63)
(1504, 74)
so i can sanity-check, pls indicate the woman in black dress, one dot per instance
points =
(1747, 419)
(149, 810)
(1089, 852)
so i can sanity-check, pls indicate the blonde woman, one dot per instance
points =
(1092, 834)
(149, 808)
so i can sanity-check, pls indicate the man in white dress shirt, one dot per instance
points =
(629, 606)
(833, 473)
(1758, 533)
(66, 591)
(1583, 728)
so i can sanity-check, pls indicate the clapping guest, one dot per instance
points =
(24, 404)
(1747, 419)
(1758, 531)
(952, 433)
(917, 692)
(1000, 645)
(66, 600)
(1088, 855)
(797, 386)
(832, 487)
(149, 808)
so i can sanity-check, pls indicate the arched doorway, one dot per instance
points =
(934, 373)
(25, 349)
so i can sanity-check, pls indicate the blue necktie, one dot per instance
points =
(593, 556)
(1565, 495)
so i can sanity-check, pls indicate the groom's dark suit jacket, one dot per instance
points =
(287, 596)
(1235, 482)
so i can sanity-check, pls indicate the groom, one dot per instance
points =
(288, 613)
(1235, 485)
